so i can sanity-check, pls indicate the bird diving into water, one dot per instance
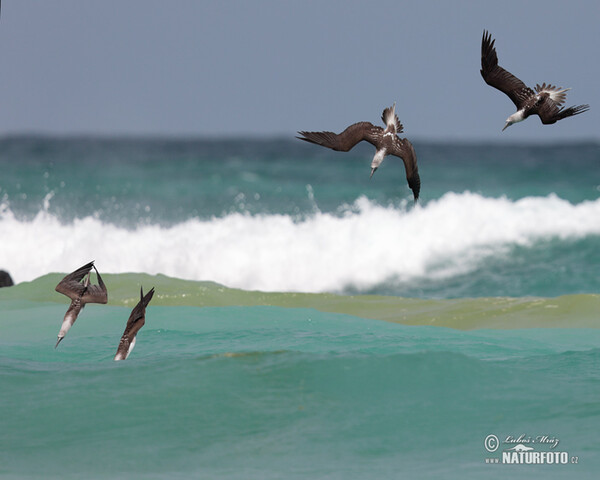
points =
(80, 294)
(134, 324)
(386, 142)
(546, 101)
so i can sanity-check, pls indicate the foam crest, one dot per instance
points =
(364, 246)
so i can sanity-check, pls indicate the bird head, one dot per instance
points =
(373, 170)
(516, 117)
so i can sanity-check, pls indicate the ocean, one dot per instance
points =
(308, 322)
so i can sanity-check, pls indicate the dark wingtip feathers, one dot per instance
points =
(571, 111)
(415, 185)
(564, 113)
(489, 58)
(146, 298)
(582, 108)
(303, 137)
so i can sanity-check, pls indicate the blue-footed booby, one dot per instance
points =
(546, 101)
(134, 324)
(385, 141)
(80, 294)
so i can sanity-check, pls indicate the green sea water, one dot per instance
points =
(567, 311)
(261, 385)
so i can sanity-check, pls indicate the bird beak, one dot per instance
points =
(58, 341)
(372, 172)
(506, 126)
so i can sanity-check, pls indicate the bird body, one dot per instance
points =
(385, 141)
(136, 321)
(546, 101)
(69, 319)
(80, 294)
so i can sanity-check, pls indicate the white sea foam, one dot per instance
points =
(363, 247)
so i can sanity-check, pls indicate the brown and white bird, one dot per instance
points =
(385, 141)
(80, 295)
(136, 321)
(546, 101)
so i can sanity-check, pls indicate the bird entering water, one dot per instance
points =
(546, 101)
(385, 141)
(134, 324)
(80, 294)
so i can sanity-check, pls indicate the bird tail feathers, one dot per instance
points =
(390, 118)
(557, 94)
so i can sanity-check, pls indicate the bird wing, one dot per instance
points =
(549, 112)
(344, 141)
(71, 285)
(403, 149)
(497, 77)
(95, 293)
(138, 314)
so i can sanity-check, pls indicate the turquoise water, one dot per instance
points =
(270, 392)
(308, 322)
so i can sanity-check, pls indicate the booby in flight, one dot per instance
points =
(134, 324)
(80, 294)
(546, 101)
(385, 141)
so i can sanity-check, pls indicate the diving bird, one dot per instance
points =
(386, 142)
(80, 294)
(546, 101)
(134, 324)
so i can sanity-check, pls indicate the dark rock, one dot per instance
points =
(5, 279)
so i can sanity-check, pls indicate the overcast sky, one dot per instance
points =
(273, 67)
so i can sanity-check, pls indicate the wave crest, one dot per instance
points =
(364, 246)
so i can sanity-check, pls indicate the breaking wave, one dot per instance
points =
(363, 245)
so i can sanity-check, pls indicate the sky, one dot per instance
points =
(271, 67)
